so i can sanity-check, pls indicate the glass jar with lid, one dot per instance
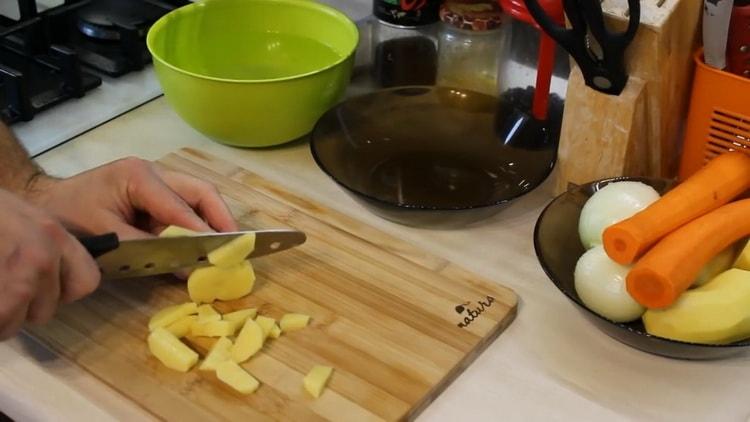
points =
(470, 45)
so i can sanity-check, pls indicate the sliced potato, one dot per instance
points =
(177, 231)
(248, 342)
(181, 327)
(171, 314)
(241, 315)
(173, 353)
(315, 380)
(207, 313)
(266, 324)
(233, 252)
(292, 322)
(213, 328)
(234, 376)
(208, 284)
(275, 332)
(218, 354)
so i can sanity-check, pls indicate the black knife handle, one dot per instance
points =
(99, 245)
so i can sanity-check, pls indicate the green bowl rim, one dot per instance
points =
(309, 4)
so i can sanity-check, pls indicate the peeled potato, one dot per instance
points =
(266, 324)
(177, 231)
(743, 260)
(275, 332)
(208, 284)
(213, 329)
(241, 315)
(600, 283)
(181, 327)
(716, 313)
(292, 322)
(233, 252)
(720, 263)
(218, 354)
(316, 379)
(612, 204)
(207, 313)
(234, 376)
(171, 314)
(173, 353)
(248, 342)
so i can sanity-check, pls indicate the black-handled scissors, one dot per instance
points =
(599, 52)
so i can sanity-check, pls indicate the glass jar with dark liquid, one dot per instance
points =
(405, 42)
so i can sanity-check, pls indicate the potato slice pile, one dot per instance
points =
(241, 334)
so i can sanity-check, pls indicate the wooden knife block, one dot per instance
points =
(639, 132)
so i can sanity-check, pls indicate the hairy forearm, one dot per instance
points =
(17, 171)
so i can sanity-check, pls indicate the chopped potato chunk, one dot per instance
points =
(171, 351)
(266, 324)
(218, 354)
(248, 342)
(171, 314)
(291, 322)
(241, 315)
(234, 376)
(181, 327)
(177, 231)
(275, 332)
(233, 252)
(207, 313)
(316, 379)
(213, 328)
(207, 284)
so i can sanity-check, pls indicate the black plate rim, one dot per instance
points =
(416, 207)
(620, 325)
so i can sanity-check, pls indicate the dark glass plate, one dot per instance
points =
(558, 248)
(433, 156)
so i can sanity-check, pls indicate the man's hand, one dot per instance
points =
(133, 198)
(41, 265)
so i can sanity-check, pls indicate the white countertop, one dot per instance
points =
(550, 364)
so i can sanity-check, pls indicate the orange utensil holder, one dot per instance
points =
(719, 117)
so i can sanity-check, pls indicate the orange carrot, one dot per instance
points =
(673, 264)
(721, 180)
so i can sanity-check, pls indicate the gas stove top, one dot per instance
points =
(53, 52)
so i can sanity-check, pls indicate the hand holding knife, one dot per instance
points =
(138, 258)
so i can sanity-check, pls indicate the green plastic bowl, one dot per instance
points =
(253, 73)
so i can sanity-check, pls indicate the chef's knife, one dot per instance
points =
(145, 257)
(716, 15)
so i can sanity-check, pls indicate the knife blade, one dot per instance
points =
(145, 257)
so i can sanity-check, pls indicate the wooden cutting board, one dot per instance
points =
(384, 315)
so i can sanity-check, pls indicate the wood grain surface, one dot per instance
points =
(383, 315)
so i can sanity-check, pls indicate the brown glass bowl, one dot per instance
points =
(558, 248)
(432, 156)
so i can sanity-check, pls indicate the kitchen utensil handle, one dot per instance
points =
(548, 25)
(716, 16)
(545, 66)
(99, 245)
